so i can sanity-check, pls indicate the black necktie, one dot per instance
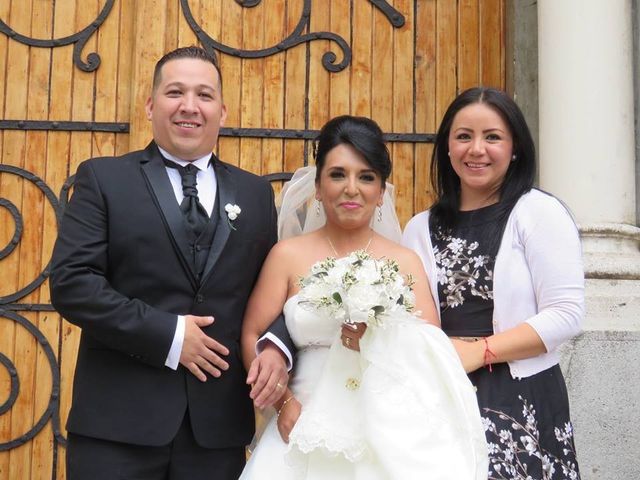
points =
(195, 214)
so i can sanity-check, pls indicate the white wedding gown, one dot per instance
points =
(402, 408)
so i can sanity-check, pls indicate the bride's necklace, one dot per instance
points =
(366, 248)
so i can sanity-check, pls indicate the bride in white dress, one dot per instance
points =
(402, 407)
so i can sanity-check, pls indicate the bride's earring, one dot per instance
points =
(317, 207)
(379, 214)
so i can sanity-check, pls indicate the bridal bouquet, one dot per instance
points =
(357, 288)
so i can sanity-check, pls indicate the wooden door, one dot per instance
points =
(74, 75)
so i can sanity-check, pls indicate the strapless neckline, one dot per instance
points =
(289, 301)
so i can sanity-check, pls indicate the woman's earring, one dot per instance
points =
(317, 208)
(379, 214)
(513, 157)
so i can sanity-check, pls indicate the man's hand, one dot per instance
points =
(268, 376)
(201, 353)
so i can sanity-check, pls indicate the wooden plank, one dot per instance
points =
(318, 75)
(58, 145)
(361, 62)
(384, 87)
(492, 51)
(83, 86)
(106, 88)
(231, 67)
(174, 27)
(177, 22)
(340, 98)
(425, 119)
(273, 87)
(251, 105)
(5, 8)
(22, 410)
(6, 327)
(34, 262)
(108, 40)
(81, 147)
(124, 12)
(403, 54)
(18, 55)
(149, 45)
(69, 339)
(468, 44)
(446, 55)
(295, 95)
(51, 322)
(30, 406)
(15, 346)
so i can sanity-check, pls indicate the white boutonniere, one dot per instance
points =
(232, 213)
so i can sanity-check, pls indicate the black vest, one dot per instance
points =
(199, 247)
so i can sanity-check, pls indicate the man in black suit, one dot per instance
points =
(155, 260)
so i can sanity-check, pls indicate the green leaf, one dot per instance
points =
(336, 296)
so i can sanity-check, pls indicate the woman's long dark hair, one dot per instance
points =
(520, 174)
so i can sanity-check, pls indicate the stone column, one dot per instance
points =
(587, 158)
(587, 138)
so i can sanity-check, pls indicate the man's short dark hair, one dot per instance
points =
(186, 52)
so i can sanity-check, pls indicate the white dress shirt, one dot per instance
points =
(207, 186)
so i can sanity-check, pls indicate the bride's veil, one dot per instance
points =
(297, 213)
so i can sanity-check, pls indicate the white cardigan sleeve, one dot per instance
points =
(416, 237)
(554, 256)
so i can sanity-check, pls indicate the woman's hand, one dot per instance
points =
(351, 335)
(471, 354)
(513, 344)
(288, 414)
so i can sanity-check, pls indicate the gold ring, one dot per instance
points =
(279, 385)
(347, 342)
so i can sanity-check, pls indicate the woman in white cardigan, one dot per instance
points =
(504, 261)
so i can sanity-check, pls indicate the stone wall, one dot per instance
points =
(602, 371)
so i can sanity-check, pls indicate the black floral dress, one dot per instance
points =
(526, 420)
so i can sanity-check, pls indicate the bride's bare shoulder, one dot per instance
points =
(405, 257)
(302, 249)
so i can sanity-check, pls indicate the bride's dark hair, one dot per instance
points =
(361, 133)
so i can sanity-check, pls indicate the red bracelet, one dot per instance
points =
(488, 353)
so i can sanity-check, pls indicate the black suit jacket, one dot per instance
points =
(121, 272)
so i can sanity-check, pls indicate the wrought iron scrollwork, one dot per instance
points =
(394, 16)
(296, 37)
(17, 234)
(68, 126)
(306, 134)
(52, 412)
(248, 3)
(50, 195)
(14, 387)
(9, 309)
(79, 40)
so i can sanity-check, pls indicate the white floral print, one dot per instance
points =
(460, 271)
(506, 453)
